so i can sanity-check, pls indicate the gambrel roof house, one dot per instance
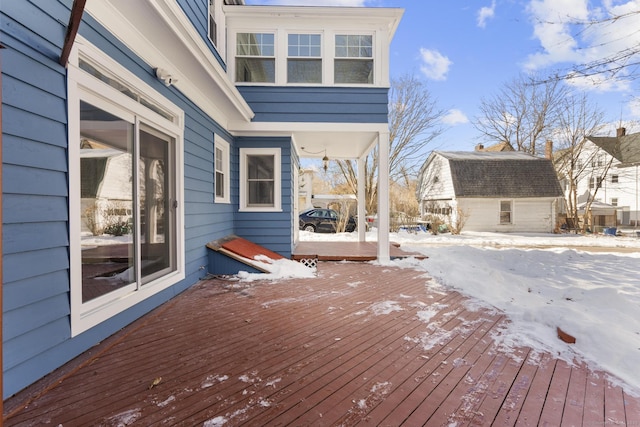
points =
(492, 191)
(160, 126)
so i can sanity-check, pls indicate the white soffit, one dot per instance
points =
(159, 33)
(340, 140)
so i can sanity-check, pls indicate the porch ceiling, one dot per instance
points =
(314, 140)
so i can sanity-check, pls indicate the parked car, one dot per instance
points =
(323, 221)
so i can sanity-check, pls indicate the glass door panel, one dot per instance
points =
(106, 187)
(157, 219)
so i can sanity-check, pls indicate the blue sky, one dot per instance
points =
(465, 50)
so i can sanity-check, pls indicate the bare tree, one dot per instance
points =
(522, 113)
(414, 122)
(623, 59)
(578, 119)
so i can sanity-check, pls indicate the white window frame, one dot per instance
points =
(281, 57)
(277, 203)
(83, 86)
(373, 57)
(500, 211)
(219, 17)
(275, 58)
(222, 146)
(321, 59)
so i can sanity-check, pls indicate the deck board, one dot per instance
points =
(351, 346)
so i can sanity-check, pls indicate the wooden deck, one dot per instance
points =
(360, 344)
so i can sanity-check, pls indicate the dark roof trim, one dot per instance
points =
(72, 29)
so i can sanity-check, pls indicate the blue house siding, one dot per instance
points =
(272, 230)
(35, 205)
(37, 335)
(317, 104)
(198, 13)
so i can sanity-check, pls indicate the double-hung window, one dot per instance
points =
(304, 58)
(255, 58)
(213, 25)
(221, 159)
(125, 169)
(506, 211)
(260, 179)
(353, 62)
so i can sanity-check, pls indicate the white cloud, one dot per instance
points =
(455, 117)
(634, 107)
(598, 82)
(486, 13)
(565, 43)
(435, 65)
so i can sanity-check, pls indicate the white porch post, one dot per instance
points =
(383, 197)
(362, 220)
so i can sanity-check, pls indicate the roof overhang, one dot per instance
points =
(160, 33)
(315, 140)
(379, 17)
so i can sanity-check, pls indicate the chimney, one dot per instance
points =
(548, 149)
(479, 147)
(621, 132)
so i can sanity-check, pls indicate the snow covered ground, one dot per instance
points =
(589, 286)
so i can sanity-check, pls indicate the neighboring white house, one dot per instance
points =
(492, 191)
(608, 174)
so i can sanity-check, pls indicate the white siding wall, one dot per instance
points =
(528, 215)
(436, 181)
(626, 190)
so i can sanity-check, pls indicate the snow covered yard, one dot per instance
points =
(589, 286)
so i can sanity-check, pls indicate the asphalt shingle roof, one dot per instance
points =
(626, 148)
(502, 174)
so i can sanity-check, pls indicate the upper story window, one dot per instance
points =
(255, 58)
(304, 58)
(353, 61)
(614, 179)
(213, 26)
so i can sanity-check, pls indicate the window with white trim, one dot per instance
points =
(221, 179)
(506, 210)
(125, 174)
(260, 179)
(353, 62)
(304, 58)
(213, 25)
(255, 58)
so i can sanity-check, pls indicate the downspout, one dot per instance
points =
(1, 251)
(72, 29)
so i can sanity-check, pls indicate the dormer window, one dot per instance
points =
(353, 61)
(255, 58)
(304, 58)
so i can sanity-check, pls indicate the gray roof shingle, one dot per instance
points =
(502, 174)
(626, 148)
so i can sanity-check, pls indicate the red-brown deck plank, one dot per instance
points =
(513, 403)
(614, 409)
(632, 409)
(313, 352)
(573, 413)
(537, 395)
(594, 399)
(557, 395)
